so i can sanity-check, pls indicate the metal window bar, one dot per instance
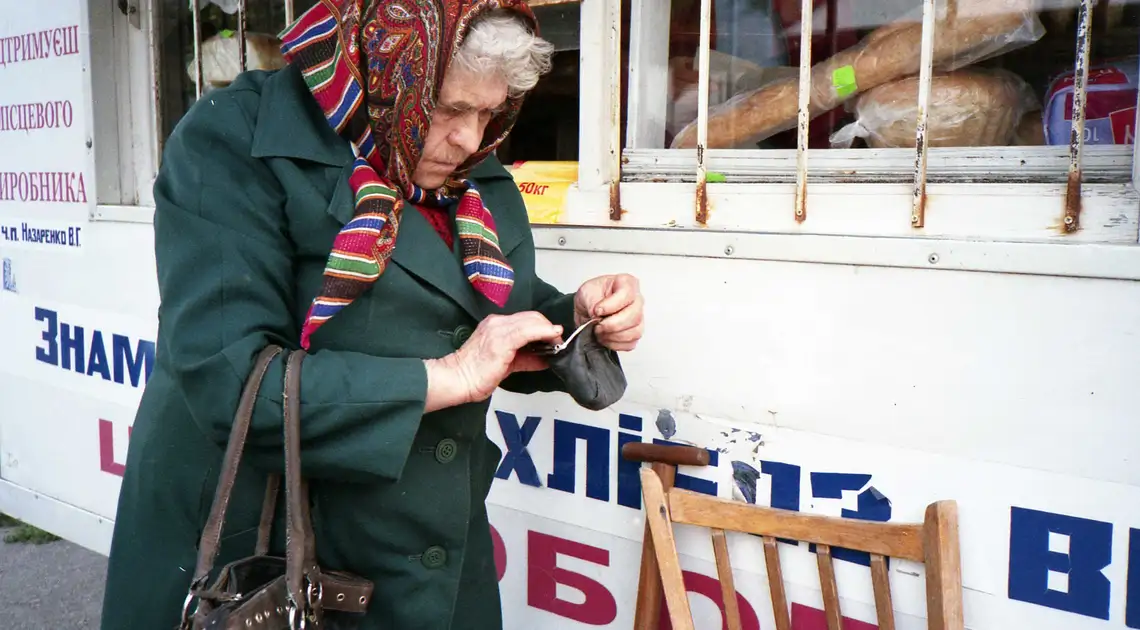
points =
(804, 114)
(702, 202)
(925, 78)
(614, 7)
(1072, 218)
(196, 8)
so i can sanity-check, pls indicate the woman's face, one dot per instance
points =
(467, 102)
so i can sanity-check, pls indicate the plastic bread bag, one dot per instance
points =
(221, 60)
(975, 30)
(967, 108)
(728, 75)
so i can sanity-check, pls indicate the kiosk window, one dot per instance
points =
(1003, 74)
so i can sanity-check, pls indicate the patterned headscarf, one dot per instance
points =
(376, 68)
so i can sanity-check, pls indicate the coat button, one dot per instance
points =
(435, 557)
(460, 336)
(446, 450)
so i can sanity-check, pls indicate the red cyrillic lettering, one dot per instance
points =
(500, 553)
(710, 588)
(543, 576)
(107, 461)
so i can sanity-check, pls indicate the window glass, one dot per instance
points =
(218, 21)
(547, 129)
(1003, 74)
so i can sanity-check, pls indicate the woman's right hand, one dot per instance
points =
(491, 354)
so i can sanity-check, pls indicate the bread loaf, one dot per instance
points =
(969, 31)
(967, 108)
(1030, 131)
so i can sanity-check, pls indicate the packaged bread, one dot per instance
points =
(966, 31)
(1030, 131)
(967, 108)
(221, 59)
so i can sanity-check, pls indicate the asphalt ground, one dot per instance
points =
(52, 586)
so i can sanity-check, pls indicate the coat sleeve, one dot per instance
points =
(556, 306)
(225, 265)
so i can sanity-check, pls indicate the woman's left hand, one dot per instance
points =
(617, 299)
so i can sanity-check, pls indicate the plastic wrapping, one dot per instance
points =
(1110, 104)
(221, 61)
(966, 108)
(978, 30)
(728, 75)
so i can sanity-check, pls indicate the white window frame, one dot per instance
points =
(999, 193)
(125, 135)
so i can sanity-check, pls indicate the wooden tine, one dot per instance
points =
(830, 590)
(665, 548)
(880, 580)
(776, 583)
(663, 460)
(727, 585)
(943, 566)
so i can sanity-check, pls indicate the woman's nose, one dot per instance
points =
(467, 135)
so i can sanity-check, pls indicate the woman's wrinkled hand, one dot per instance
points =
(618, 300)
(491, 354)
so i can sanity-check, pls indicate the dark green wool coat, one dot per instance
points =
(252, 190)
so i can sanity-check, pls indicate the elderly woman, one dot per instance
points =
(350, 204)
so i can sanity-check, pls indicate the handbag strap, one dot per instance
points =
(300, 546)
(212, 533)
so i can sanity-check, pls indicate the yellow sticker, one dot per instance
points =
(843, 80)
(543, 186)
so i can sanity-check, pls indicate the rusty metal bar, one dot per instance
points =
(804, 112)
(1072, 220)
(703, 112)
(925, 77)
(288, 12)
(614, 7)
(196, 9)
(241, 36)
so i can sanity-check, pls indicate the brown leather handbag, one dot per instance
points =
(263, 591)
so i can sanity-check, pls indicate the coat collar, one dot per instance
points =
(291, 125)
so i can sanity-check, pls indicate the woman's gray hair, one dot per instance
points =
(500, 43)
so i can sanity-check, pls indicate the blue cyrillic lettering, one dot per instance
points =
(97, 358)
(872, 506)
(597, 439)
(517, 458)
(689, 482)
(1031, 560)
(628, 473)
(1132, 585)
(49, 355)
(72, 347)
(142, 357)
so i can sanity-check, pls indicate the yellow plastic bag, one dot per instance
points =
(543, 186)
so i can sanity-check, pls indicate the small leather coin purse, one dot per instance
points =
(592, 372)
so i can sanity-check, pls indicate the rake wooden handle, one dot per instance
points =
(674, 455)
